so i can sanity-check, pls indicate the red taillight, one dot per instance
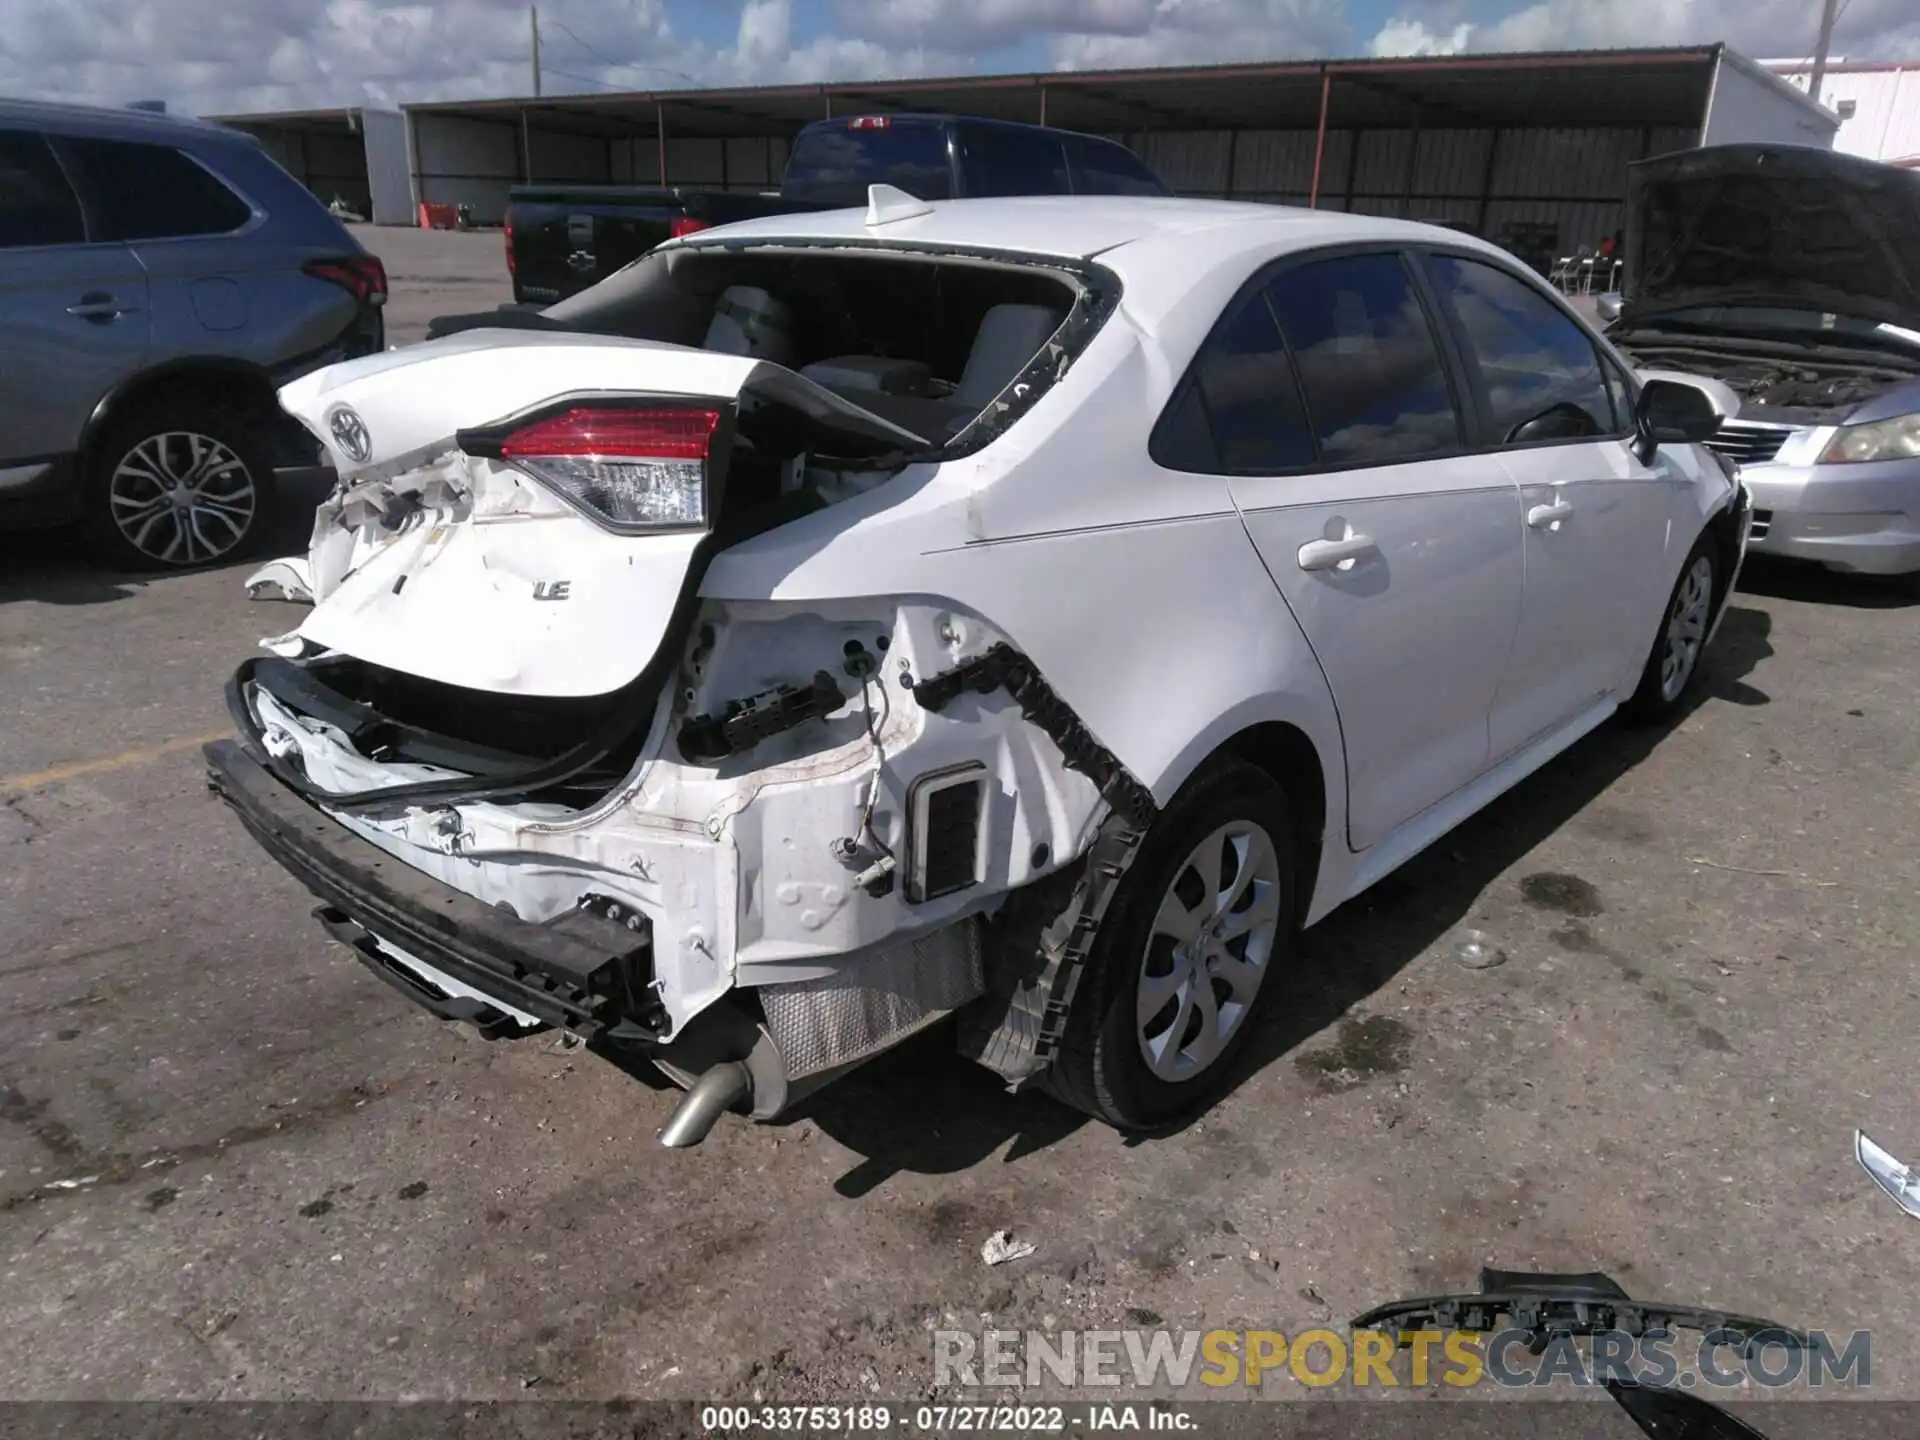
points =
(361, 276)
(869, 122)
(648, 434)
(508, 231)
(686, 225)
(631, 470)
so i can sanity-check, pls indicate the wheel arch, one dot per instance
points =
(1312, 773)
(229, 383)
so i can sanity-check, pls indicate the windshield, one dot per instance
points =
(834, 164)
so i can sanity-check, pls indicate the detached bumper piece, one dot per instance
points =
(583, 971)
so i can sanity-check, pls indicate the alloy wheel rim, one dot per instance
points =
(1208, 950)
(1686, 627)
(182, 498)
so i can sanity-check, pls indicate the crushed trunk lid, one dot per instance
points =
(469, 572)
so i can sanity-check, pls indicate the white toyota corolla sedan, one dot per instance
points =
(1029, 611)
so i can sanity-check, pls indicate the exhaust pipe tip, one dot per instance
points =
(700, 1109)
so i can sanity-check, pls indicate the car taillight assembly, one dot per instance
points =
(507, 229)
(629, 468)
(870, 122)
(361, 276)
(686, 225)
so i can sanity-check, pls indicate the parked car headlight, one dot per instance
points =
(632, 469)
(1895, 439)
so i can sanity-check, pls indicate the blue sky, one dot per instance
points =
(211, 56)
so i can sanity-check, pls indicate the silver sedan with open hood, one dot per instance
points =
(1790, 275)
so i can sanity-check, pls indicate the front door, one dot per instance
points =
(1595, 516)
(1336, 423)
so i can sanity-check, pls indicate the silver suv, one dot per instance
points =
(159, 280)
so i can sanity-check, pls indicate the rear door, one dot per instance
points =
(1595, 516)
(188, 229)
(1324, 398)
(73, 311)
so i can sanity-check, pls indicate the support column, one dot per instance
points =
(1320, 139)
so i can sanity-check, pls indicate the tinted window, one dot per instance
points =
(1009, 161)
(836, 163)
(36, 205)
(1539, 369)
(1620, 391)
(1368, 360)
(1240, 410)
(151, 192)
(1100, 168)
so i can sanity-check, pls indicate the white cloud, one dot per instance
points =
(1401, 36)
(1187, 32)
(235, 55)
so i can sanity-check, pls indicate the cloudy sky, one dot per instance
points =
(210, 56)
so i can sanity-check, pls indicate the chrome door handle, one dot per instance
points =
(1545, 517)
(100, 309)
(1332, 554)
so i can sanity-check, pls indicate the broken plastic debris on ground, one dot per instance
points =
(1898, 1180)
(1002, 1247)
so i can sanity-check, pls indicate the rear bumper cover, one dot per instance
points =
(582, 971)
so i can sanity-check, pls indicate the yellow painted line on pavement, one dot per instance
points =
(12, 785)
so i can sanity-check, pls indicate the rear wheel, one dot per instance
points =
(1674, 665)
(177, 486)
(1179, 970)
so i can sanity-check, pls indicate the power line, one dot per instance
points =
(613, 64)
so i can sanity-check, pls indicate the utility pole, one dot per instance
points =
(533, 15)
(1829, 10)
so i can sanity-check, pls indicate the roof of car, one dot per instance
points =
(1080, 227)
(106, 121)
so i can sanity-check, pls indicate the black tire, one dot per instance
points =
(1657, 699)
(1102, 1067)
(130, 522)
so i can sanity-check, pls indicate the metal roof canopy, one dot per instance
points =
(306, 122)
(1609, 88)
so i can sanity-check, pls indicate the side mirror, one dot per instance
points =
(1672, 412)
(1607, 307)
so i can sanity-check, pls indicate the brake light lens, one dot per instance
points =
(507, 230)
(686, 225)
(361, 276)
(870, 122)
(630, 469)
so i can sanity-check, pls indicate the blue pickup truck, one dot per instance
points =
(563, 238)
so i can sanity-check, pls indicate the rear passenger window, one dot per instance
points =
(1100, 168)
(152, 192)
(1009, 161)
(1241, 413)
(1375, 388)
(37, 206)
(1540, 371)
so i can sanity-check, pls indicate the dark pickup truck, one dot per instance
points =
(563, 238)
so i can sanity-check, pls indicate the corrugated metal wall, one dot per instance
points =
(1574, 180)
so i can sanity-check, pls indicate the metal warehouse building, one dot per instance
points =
(1878, 102)
(359, 156)
(1525, 147)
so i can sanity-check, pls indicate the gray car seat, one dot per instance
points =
(749, 321)
(1009, 337)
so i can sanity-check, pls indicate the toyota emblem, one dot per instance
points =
(350, 433)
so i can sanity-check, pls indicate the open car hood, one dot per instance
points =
(470, 572)
(1772, 225)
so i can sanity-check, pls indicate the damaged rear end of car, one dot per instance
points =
(540, 773)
